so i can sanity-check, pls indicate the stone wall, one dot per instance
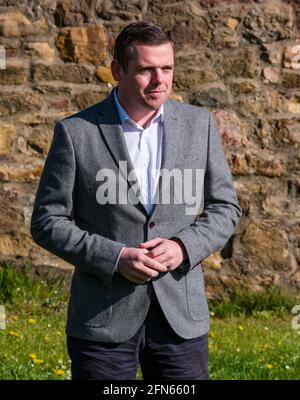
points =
(235, 58)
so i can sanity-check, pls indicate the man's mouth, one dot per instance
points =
(156, 91)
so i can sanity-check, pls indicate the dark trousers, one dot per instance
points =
(162, 354)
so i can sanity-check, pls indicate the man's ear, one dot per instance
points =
(115, 70)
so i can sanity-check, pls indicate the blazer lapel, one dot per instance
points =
(111, 129)
(170, 145)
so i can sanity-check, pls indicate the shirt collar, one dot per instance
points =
(124, 116)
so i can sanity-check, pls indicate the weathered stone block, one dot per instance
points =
(6, 133)
(16, 24)
(243, 86)
(11, 45)
(11, 219)
(29, 173)
(262, 102)
(15, 244)
(40, 139)
(279, 131)
(268, 244)
(89, 97)
(273, 53)
(241, 63)
(82, 44)
(104, 74)
(280, 200)
(190, 76)
(271, 74)
(233, 130)
(13, 74)
(291, 79)
(191, 33)
(272, 22)
(74, 12)
(225, 38)
(294, 104)
(62, 72)
(13, 102)
(212, 95)
(216, 3)
(247, 164)
(291, 56)
(123, 10)
(40, 50)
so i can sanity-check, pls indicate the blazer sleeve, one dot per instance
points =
(51, 222)
(221, 211)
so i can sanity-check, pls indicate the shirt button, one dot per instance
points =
(151, 225)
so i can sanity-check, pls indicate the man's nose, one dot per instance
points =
(157, 76)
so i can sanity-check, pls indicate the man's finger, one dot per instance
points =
(145, 251)
(151, 243)
(157, 251)
(149, 262)
(162, 259)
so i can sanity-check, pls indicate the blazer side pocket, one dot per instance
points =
(90, 303)
(195, 294)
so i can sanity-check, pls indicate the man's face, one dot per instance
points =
(147, 83)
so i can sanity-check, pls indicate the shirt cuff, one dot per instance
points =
(116, 266)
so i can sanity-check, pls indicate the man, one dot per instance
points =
(137, 291)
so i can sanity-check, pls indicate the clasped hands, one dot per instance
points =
(157, 255)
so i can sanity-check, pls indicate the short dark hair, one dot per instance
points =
(140, 31)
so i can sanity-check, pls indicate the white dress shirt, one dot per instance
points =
(144, 147)
(145, 150)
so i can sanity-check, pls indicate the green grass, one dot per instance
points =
(33, 344)
(251, 335)
(254, 348)
(242, 303)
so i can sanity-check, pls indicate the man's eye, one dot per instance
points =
(144, 71)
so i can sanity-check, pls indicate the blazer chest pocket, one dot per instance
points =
(90, 302)
(195, 294)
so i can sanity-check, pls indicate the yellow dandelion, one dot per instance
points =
(59, 372)
(58, 333)
(15, 334)
(210, 346)
(38, 361)
(32, 356)
(240, 328)
(269, 366)
(31, 321)
(212, 334)
(15, 318)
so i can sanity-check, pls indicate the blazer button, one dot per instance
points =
(151, 225)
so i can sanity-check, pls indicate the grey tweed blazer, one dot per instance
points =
(68, 221)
